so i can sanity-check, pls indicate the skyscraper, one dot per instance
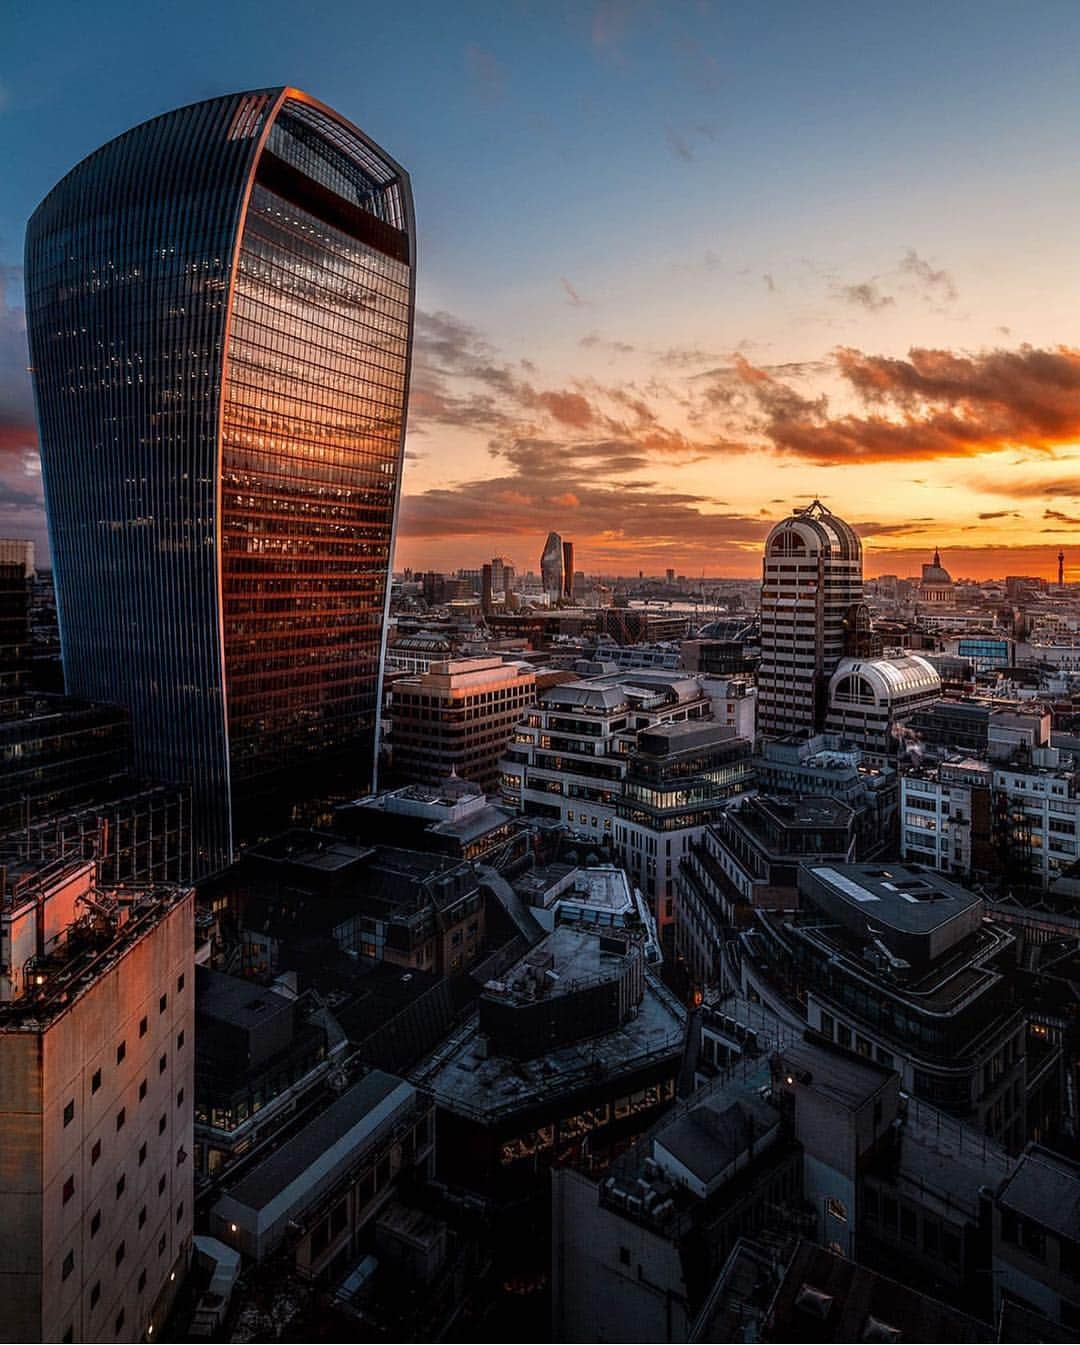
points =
(551, 566)
(220, 319)
(811, 586)
(568, 569)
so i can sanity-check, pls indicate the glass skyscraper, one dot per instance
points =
(220, 307)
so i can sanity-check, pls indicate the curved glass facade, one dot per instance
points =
(220, 313)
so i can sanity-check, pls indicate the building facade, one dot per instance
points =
(97, 1062)
(457, 718)
(811, 593)
(220, 316)
(551, 566)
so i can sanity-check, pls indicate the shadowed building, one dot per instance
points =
(220, 312)
(551, 566)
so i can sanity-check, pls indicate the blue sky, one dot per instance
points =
(605, 191)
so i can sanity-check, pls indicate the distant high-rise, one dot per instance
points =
(220, 318)
(811, 582)
(551, 566)
(568, 569)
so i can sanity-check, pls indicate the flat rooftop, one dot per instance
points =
(234, 1000)
(907, 897)
(465, 1079)
(270, 1178)
(1045, 1188)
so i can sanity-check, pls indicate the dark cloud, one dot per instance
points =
(937, 285)
(934, 404)
(865, 295)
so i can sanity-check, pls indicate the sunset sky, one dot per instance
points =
(680, 268)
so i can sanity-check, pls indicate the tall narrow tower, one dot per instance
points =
(220, 310)
(551, 566)
(1061, 569)
(811, 581)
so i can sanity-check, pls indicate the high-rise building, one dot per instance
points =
(96, 1023)
(220, 316)
(551, 566)
(16, 588)
(811, 583)
(568, 569)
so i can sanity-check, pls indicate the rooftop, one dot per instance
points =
(906, 897)
(1045, 1188)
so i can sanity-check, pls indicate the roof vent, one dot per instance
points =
(878, 1330)
(814, 1301)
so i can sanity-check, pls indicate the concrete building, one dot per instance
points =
(454, 818)
(575, 1046)
(897, 963)
(936, 588)
(810, 597)
(1036, 1247)
(457, 718)
(326, 1184)
(746, 860)
(946, 816)
(96, 1095)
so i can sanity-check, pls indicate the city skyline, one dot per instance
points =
(713, 264)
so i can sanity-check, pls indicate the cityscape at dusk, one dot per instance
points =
(679, 264)
(540, 672)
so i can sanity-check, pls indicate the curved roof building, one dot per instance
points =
(220, 309)
(868, 698)
(811, 581)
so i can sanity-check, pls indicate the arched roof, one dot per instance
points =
(814, 531)
(888, 678)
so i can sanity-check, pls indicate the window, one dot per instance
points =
(142, 1281)
(161, 1185)
(180, 1097)
(180, 983)
(142, 1216)
(836, 1209)
(180, 1213)
(68, 1265)
(179, 1041)
(95, 1152)
(142, 1153)
(121, 1117)
(144, 1026)
(95, 1223)
(142, 1090)
(162, 1064)
(121, 1182)
(161, 1245)
(69, 1189)
(119, 1323)
(162, 1124)
(95, 1293)
(121, 1051)
(69, 1112)
(69, 1334)
(121, 1252)
(95, 1081)
(163, 1003)
(624, 1255)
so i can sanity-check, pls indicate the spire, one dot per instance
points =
(937, 557)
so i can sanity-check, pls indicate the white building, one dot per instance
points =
(869, 698)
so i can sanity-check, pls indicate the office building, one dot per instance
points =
(577, 1044)
(811, 596)
(747, 859)
(67, 790)
(457, 718)
(220, 314)
(1036, 1238)
(898, 963)
(96, 1057)
(551, 566)
(870, 700)
(568, 571)
(16, 590)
